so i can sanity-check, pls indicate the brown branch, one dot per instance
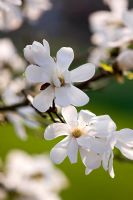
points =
(15, 106)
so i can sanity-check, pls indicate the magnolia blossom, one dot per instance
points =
(24, 116)
(33, 9)
(94, 136)
(125, 60)
(112, 28)
(86, 132)
(55, 78)
(34, 177)
(9, 57)
(10, 15)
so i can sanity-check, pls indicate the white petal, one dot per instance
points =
(78, 97)
(46, 46)
(103, 125)
(70, 115)
(56, 130)
(59, 152)
(43, 101)
(105, 159)
(62, 97)
(84, 142)
(65, 57)
(73, 150)
(125, 150)
(111, 169)
(42, 58)
(125, 136)
(36, 74)
(70, 95)
(28, 54)
(83, 154)
(83, 73)
(88, 171)
(93, 161)
(85, 116)
(98, 145)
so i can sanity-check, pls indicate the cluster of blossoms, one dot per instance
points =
(94, 136)
(113, 37)
(37, 179)
(13, 12)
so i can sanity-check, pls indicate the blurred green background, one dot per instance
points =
(69, 27)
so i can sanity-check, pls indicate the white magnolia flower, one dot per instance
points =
(9, 57)
(10, 15)
(44, 70)
(33, 9)
(125, 60)
(37, 178)
(83, 131)
(24, 116)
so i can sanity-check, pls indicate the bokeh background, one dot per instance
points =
(67, 25)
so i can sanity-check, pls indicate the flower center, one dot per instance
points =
(62, 81)
(77, 133)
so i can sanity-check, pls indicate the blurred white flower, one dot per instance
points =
(33, 9)
(10, 15)
(24, 116)
(33, 176)
(112, 28)
(9, 57)
(44, 70)
(125, 60)
(98, 55)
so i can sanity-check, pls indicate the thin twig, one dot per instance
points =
(51, 116)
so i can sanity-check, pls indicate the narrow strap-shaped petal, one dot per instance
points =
(83, 73)
(35, 74)
(73, 150)
(85, 116)
(125, 136)
(56, 130)
(70, 115)
(44, 100)
(70, 96)
(59, 151)
(65, 57)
